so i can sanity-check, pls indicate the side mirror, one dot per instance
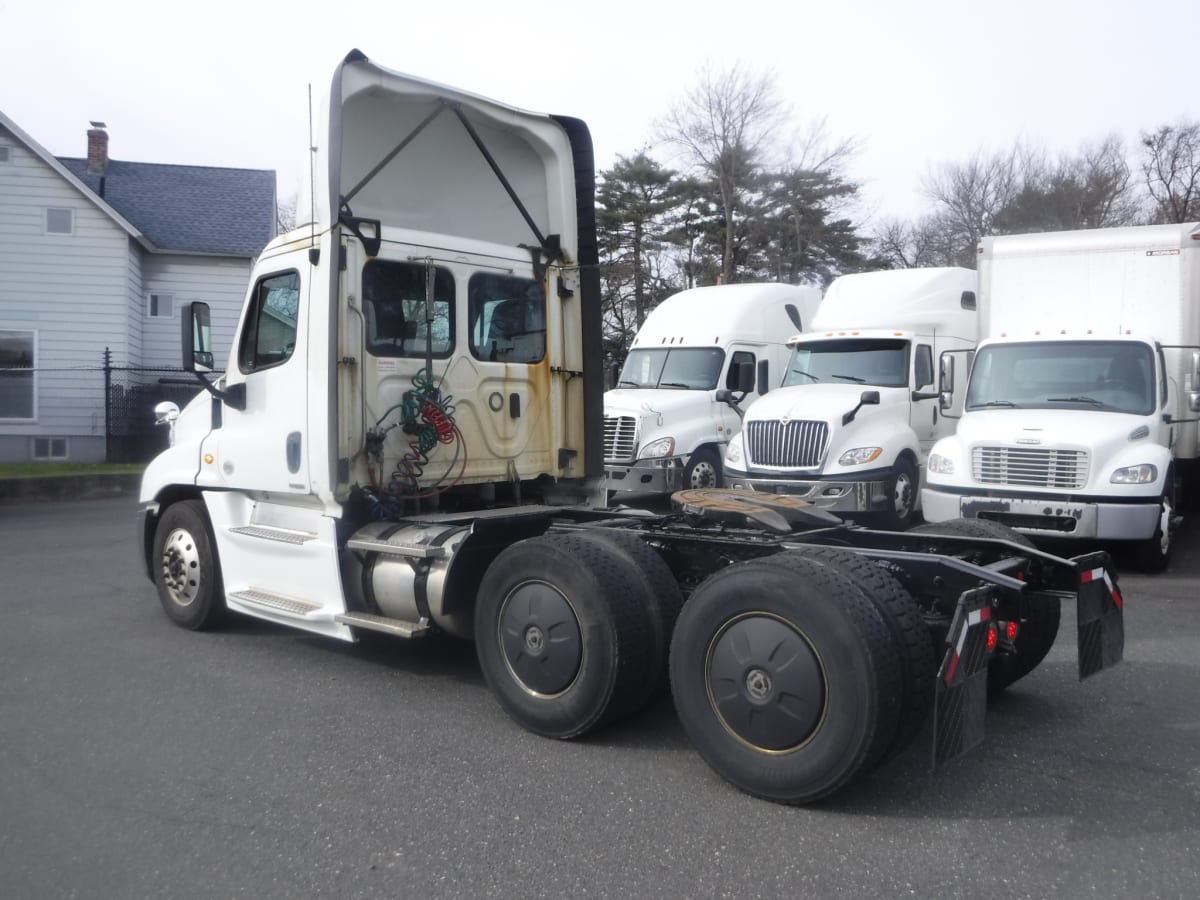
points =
(764, 377)
(614, 375)
(867, 398)
(724, 395)
(1191, 383)
(196, 337)
(946, 382)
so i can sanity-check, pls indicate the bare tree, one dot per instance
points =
(723, 127)
(285, 214)
(1171, 164)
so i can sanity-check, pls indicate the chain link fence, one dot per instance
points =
(130, 395)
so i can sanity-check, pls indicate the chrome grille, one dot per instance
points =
(1030, 467)
(620, 438)
(798, 445)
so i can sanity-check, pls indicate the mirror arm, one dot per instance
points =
(234, 396)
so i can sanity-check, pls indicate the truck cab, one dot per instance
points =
(851, 426)
(694, 366)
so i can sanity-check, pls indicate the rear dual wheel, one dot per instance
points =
(571, 631)
(785, 677)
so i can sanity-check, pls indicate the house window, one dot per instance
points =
(17, 372)
(49, 448)
(160, 306)
(60, 221)
(5, 154)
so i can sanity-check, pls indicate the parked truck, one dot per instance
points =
(693, 367)
(408, 439)
(852, 425)
(1081, 409)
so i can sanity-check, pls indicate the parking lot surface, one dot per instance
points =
(140, 760)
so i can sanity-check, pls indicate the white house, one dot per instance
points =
(97, 253)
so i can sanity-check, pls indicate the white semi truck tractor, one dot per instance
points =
(408, 439)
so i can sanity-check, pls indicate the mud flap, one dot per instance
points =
(1101, 622)
(960, 698)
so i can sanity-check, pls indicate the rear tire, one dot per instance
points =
(185, 568)
(1038, 630)
(560, 636)
(918, 660)
(785, 677)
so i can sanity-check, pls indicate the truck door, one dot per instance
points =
(729, 422)
(266, 446)
(925, 418)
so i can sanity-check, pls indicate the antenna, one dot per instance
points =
(313, 252)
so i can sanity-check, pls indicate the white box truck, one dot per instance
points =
(850, 429)
(693, 367)
(410, 426)
(1080, 412)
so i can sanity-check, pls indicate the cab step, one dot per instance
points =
(274, 533)
(395, 627)
(261, 599)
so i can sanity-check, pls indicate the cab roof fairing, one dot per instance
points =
(396, 150)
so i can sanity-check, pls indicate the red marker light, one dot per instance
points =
(991, 637)
(1012, 631)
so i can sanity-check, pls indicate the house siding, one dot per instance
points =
(219, 281)
(72, 290)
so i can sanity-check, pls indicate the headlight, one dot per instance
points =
(1143, 474)
(733, 452)
(658, 449)
(943, 465)
(859, 455)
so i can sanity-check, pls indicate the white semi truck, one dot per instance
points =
(410, 429)
(693, 367)
(1080, 413)
(853, 423)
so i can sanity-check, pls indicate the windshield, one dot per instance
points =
(1117, 376)
(883, 363)
(681, 368)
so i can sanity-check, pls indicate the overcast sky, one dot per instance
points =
(917, 82)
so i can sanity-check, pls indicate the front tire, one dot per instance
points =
(185, 568)
(902, 495)
(703, 470)
(1154, 555)
(785, 677)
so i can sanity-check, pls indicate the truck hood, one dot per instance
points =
(1102, 433)
(638, 403)
(824, 402)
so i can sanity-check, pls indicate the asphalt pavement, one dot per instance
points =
(138, 760)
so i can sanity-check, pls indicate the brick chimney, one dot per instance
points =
(97, 157)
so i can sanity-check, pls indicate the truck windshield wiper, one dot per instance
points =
(1099, 404)
(630, 383)
(853, 378)
(994, 403)
(806, 374)
(674, 384)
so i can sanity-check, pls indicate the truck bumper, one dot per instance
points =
(835, 496)
(1051, 517)
(654, 477)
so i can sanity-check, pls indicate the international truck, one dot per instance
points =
(857, 414)
(1081, 409)
(408, 439)
(693, 367)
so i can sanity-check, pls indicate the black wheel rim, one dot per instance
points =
(766, 683)
(540, 638)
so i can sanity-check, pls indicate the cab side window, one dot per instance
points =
(269, 338)
(923, 373)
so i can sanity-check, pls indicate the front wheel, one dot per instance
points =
(703, 470)
(902, 495)
(1154, 554)
(185, 567)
